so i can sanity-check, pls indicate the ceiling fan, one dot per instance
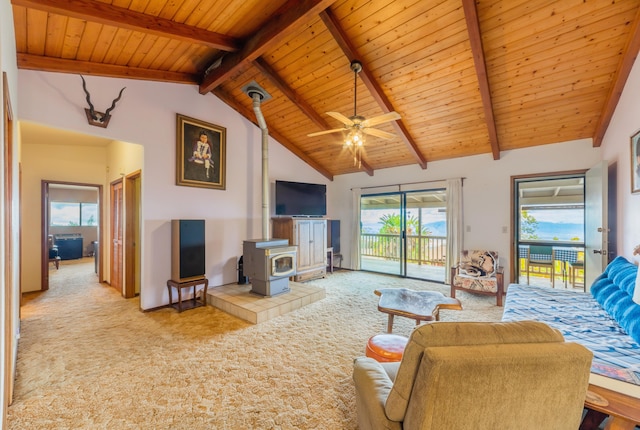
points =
(357, 125)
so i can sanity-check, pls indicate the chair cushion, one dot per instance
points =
(478, 263)
(457, 334)
(476, 283)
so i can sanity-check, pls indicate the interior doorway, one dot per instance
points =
(404, 233)
(70, 222)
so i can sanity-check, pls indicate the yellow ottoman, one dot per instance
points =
(386, 347)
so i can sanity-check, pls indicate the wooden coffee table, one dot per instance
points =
(417, 305)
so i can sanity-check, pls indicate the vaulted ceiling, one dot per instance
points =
(467, 77)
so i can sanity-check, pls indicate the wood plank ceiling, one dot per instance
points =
(467, 77)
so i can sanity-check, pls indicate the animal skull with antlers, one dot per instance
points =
(99, 119)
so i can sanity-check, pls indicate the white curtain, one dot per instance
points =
(355, 229)
(454, 225)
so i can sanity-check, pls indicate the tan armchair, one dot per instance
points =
(481, 376)
(478, 271)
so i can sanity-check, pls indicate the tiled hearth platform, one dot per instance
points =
(238, 301)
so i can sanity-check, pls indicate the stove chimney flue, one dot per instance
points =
(259, 95)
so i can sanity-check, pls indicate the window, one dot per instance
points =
(65, 214)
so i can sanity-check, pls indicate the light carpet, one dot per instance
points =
(89, 359)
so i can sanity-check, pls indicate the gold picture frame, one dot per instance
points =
(635, 162)
(200, 153)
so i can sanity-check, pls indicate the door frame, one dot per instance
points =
(9, 254)
(44, 228)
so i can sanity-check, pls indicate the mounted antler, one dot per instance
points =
(99, 119)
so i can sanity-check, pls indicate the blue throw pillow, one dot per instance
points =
(614, 291)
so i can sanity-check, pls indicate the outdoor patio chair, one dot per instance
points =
(575, 266)
(541, 257)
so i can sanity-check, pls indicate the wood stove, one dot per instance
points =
(269, 263)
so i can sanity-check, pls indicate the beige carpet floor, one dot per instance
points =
(89, 359)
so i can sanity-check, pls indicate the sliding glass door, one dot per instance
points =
(381, 231)
(404, 233)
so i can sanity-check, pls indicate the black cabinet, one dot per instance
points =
(69, 246)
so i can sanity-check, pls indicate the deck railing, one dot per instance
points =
(429, 250)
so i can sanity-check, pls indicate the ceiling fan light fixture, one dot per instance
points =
(355, 143)
(355, 138)
(357, 126)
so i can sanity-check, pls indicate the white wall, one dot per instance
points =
(146, 115)
(486, 190)
(616, 148)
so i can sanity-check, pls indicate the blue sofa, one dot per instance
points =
(605, 320)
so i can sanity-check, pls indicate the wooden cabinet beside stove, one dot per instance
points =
(310, 236)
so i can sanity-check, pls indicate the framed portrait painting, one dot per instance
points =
(200, 153)
(635, 162)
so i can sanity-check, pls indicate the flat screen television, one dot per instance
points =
(300, 199)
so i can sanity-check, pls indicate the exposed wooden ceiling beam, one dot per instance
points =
(277, 81)
(630, 53)
(333, 25)
(107, 14)
(289, 17)
(250, 116)
(40, 63)
(475, 38)
(300, 103)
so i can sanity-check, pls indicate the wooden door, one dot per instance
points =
(596, 222)
(116, 235)
(132, 235)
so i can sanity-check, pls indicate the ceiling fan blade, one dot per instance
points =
(343, 119)
(391, 116)
(378, 133)
(319, 133)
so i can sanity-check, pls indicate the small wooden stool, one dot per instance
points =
(192, 303)
(386, 347)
